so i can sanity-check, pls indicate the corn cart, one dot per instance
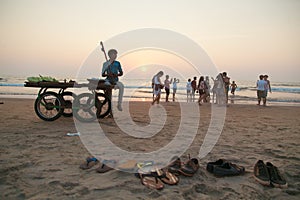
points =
(86, 107)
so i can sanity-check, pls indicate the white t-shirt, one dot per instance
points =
(174, 85)
(188, 86)
(156, 80)
(261, 85)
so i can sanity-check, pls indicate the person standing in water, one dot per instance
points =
(261, 90)
(233, 87)
(268, 85)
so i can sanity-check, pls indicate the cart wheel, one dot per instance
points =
(49, 106)
(103, 105)
(68, 98)
(84, 107)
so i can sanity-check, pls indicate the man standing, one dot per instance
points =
(112, 70)
(226, 80)
(167, 87)
(261, 87)
(268, 85)
(194, 87)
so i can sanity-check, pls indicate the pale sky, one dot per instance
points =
(243, 37)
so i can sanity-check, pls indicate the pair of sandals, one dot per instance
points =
(92, 161)
(188, 168)
(156, 178)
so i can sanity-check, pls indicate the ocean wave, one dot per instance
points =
(243, 88)
(17, 93)
(274, 89)
(287, 90)
(286, 84)
(12, 84)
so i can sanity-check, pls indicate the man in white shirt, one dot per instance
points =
(261, 87)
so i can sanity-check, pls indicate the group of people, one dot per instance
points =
(263, 86)
(158, 85)
(112, 70)
(220, 88)
(203, 88)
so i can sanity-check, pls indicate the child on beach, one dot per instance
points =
(112, 70)
(233, 87)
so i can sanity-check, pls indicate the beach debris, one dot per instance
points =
(73, 134)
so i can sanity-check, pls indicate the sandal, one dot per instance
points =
(144, 164)
(190, 168)
(167, 177)
(151, 181)
(175, 165)
(89, 163)
(105, 168)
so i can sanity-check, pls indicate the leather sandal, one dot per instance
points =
(190, 167)
(151, 181)
(167, 177)
(175, 165)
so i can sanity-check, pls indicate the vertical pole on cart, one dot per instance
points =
(103, 50)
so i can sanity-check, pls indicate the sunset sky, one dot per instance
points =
(243, 37)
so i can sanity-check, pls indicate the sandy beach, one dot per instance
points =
(38, 160)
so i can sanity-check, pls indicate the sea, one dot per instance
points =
(283, 93)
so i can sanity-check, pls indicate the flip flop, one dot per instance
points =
(89, 163)
(151, 181)
(144, 164)
(167, 177)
